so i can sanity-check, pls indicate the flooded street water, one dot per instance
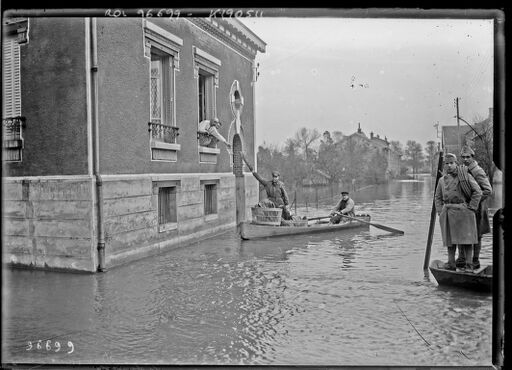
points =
(354, 298)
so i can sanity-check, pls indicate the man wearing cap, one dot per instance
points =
(482, 218)
(211, 127)
(276, 193)
(456, 202)
(345, 206)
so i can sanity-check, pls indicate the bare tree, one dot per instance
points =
(414, 155)
(483, 147)
(431, 150)
(305, 138)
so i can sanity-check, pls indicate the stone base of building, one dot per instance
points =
(51, 223)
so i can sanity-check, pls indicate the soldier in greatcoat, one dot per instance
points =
(482, 217)
(457, 197)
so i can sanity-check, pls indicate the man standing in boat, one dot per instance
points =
(276, 193)
(482, 218)
(457, 197)
(345, 206)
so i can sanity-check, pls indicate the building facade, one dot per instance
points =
(376, 146)
(103, 161)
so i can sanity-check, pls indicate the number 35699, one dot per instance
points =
(49, 346)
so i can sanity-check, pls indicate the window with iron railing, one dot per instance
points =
(161, 101)
(210, 199)
(207, 140)
(162, 48)
(13, 139)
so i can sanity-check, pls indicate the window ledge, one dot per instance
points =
(165, 146)
(211, 217)
(167, 227)
(204, 149)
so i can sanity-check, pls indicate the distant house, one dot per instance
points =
(375, 144)
(453, 138)
(472, 137)
(103, 162)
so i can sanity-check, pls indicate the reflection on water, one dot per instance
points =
(357, 297)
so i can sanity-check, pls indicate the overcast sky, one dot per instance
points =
(397, 77)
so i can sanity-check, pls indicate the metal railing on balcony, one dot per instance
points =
(12, 145)
(207, 140)
(163, 133)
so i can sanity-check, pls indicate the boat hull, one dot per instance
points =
(249, 231)
(480, 280)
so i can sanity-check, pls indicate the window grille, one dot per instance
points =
(167, 210)
(210, 199)
(156, 89)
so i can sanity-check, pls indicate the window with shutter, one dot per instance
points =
(11, 89)
(12, 121)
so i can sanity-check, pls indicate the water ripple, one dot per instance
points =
(354, 298)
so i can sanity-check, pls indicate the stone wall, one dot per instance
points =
(131, 213)
(50, 223)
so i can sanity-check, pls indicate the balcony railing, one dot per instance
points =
(13, 138)
(163, 133)
(207, 140)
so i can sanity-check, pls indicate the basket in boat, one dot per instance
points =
(266, 216)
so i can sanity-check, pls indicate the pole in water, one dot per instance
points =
(432, 215)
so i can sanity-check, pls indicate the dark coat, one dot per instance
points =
(275, 191)
(456, 211)
(482, 214)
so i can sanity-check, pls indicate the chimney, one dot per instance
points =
(371, 135)
(359, 128)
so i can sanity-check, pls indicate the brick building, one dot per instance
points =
(102, 159)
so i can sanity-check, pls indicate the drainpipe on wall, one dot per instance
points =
(96, 144)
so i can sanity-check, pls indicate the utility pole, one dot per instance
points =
(458, 124)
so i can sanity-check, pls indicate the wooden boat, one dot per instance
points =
(250, 230)
(480, 279)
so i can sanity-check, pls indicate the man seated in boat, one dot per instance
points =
(457, 197)
(211, 127)
(345, 206)
(276, 193)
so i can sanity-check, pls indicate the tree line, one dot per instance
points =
(311, 158)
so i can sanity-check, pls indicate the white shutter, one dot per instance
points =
(11, 88)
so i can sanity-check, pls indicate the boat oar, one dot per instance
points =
(318, 218)
(378, 226)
